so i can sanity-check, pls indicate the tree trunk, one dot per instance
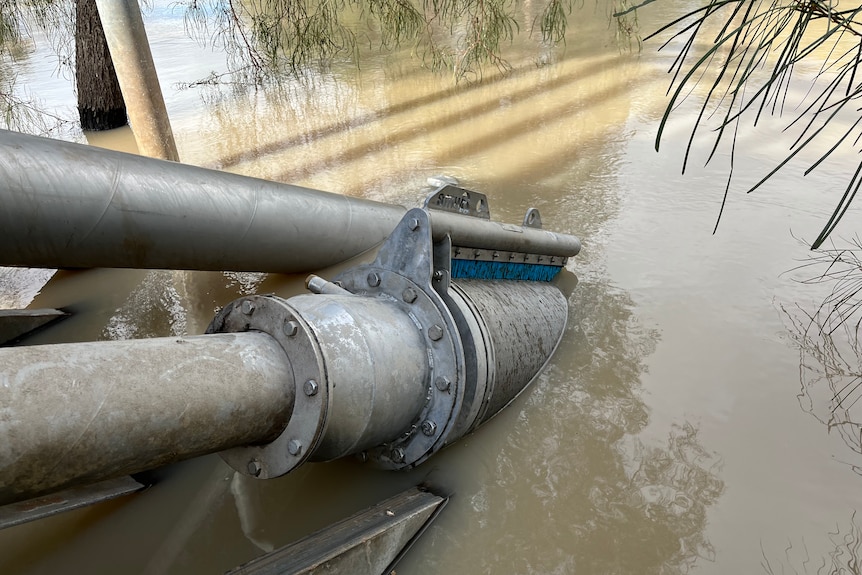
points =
(100, 102)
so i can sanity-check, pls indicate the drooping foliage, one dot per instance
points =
(747, 53)
(19, 21)
(264, 37)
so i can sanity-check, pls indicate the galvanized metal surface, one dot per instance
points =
(83, 412)
(485, 234)
(136, 72)
(376, 367)
(451, 198)
(404, 271)
(67, 205)
(66, 500)
(521, 324)
(367, 543)
(15, 323)
(360, 369)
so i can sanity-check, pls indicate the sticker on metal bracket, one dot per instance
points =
(459, 201)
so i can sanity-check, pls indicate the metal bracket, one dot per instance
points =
(404, 271)
(533, 219)
(459, 201)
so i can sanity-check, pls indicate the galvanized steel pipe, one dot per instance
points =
(81, 412)
(136, 72)
(67, 205)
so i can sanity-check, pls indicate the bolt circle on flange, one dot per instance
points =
(305, 426)
(444, 399)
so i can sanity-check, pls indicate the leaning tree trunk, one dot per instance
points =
(100, 102)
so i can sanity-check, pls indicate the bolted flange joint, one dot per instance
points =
(277, 318)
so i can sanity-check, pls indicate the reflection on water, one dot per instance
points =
(830, 351)
(844, 557)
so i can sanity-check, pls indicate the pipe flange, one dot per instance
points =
(445, 389)
(275, 317)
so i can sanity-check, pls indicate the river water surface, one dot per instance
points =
(665, 436)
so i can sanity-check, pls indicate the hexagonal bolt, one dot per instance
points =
(409, 295)
(373, 279)
(435, 332)
(429, 428)
(438, 275)
(248, 307)
(397, 455)
(310, 387)
(291, 328)
(294, 447)
(414, 224)
(254, 468)
(442, 383)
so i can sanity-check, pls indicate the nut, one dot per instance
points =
(409, 295)
(310, 388)
(429, 428)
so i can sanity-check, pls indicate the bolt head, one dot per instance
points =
(247, 307)
(409, 295)
(414, 224)
(397, 455)
(438, 275)
(254, 468)
(373, 279)
(310, 387)
(435, 332)
(442, 383)
(429, 428)
(294, 447)
(290, 328)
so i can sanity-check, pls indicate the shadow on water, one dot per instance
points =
(458, 114)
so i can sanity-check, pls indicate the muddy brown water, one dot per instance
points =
(665, 436)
